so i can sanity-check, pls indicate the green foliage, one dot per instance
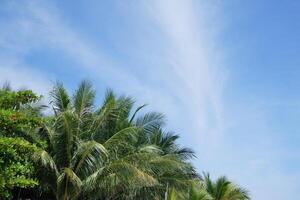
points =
(220, 189)
(12, 122)
(84, 151)
(17, 119)
(14, 99)
(16, 168)
(109, 152)
(223, 189)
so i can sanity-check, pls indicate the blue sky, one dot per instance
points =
(225, 73)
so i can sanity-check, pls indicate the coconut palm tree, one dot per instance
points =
(206, 189)
(108, 152)
(223, 189)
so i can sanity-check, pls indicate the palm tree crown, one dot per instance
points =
(223, 189)
(111, 151)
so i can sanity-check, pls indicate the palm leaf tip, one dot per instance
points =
(150, 122)
(59, 98)
(83, 98)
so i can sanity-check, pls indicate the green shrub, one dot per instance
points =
(16, 168)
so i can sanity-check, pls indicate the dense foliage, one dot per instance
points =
(83, 151)
(111, 152)
(17, 119)
(16, 168)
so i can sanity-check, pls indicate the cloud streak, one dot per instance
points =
(192, 81)
(190, 70)
(198, 76)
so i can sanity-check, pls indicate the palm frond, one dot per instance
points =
(210, 188)
(199, 194)
(124, 106)
(131, 174)
(171, 194)
(103, 115)
(83, 98)
(150, 122)
(185, 153)
(69, 184)
(88, 157)
(123, 137)
(44, 159)
(117, 179)
(222, 189)
(60, 99)
(150, 149)
(90, 183)
(64, 139)
(136, 111)
(237, 193)
(221, 186)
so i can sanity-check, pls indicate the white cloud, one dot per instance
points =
(199, 78)
(191, 76)
(39, 25)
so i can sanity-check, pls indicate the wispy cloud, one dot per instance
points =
(189, 73)
(199, 78)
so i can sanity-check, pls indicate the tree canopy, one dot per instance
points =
(114, 151)
(17, 120)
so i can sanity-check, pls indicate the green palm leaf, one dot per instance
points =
(88, 157)
(64, 139)
(69, 185)
(60, 98)
(83, 100)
